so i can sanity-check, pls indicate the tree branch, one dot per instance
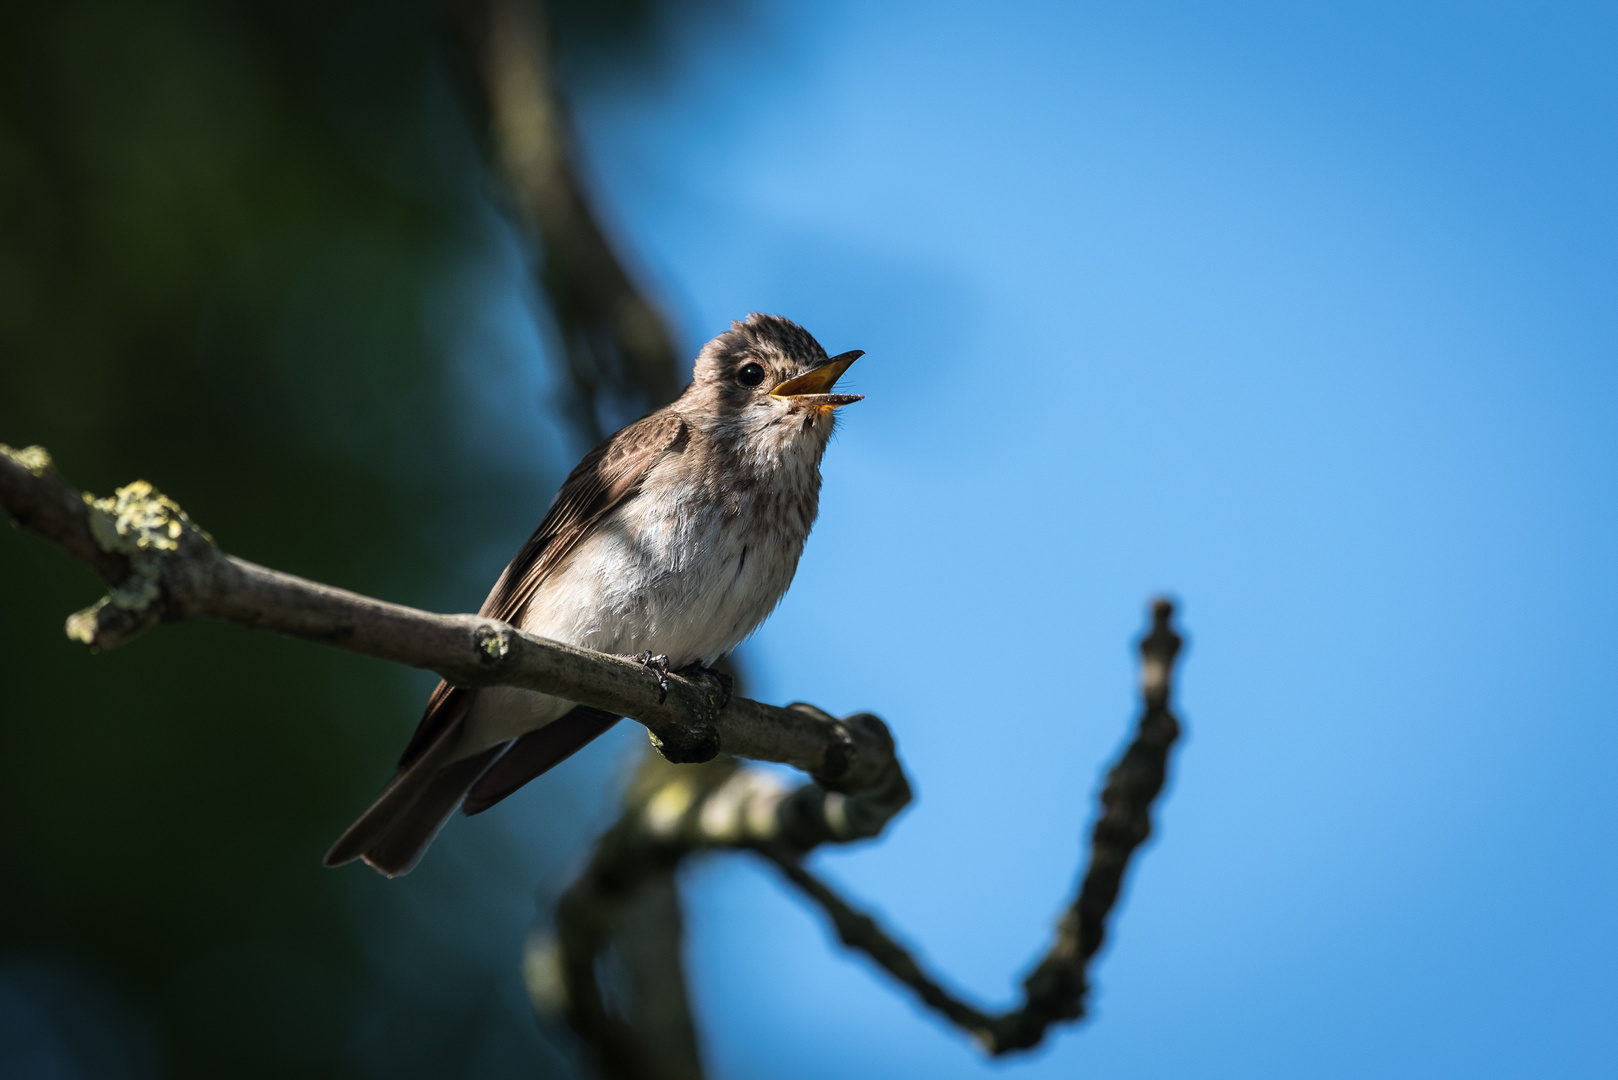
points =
(671, 814)
(43, 503)
(615, 340)
(163, 568)
(1057, 987)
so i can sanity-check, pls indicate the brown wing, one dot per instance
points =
(608, 475)
(535, 754)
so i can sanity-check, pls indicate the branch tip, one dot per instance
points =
(1056, 990)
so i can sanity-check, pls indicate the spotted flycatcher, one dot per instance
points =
(673, 539)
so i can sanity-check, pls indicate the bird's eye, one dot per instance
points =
(750, 374)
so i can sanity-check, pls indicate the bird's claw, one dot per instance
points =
(658, 665)
(726, 683)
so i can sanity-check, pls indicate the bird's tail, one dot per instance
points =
(536, 753)
(395, 830)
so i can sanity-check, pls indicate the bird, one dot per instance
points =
(670, 542)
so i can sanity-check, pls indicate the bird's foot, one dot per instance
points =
(658, 665)
(726, 683)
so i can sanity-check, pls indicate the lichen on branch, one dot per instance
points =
(143, 524)
(670, 815)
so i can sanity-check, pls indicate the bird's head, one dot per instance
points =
(766, 380)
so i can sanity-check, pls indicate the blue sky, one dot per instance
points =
(1300, 313)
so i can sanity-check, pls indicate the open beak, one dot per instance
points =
(813, 386)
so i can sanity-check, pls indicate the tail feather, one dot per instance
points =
(416, 782)
(407, 785)
(395, 830)
(535, 753)
(398, 849)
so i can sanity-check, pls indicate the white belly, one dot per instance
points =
(688, 585)
(662, 576)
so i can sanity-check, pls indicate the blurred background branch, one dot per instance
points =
(640, 1030)
(1055, 991)
(618, 346)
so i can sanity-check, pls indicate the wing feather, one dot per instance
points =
(609, 476)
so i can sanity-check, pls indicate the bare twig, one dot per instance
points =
(858, 930)
(1057, 987)
(671, 814)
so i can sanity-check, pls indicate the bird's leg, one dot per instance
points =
(658, 665)
(726, 683)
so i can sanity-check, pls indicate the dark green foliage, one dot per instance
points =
(220, 226)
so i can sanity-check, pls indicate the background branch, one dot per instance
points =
(618, 346)
(1057, 987)
(672, 814)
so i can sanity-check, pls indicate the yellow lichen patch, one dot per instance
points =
(542, 974)
(493, 642)
(36, 459)
(665, 809)
(143, 523)
(82, 625)
(138, 519)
